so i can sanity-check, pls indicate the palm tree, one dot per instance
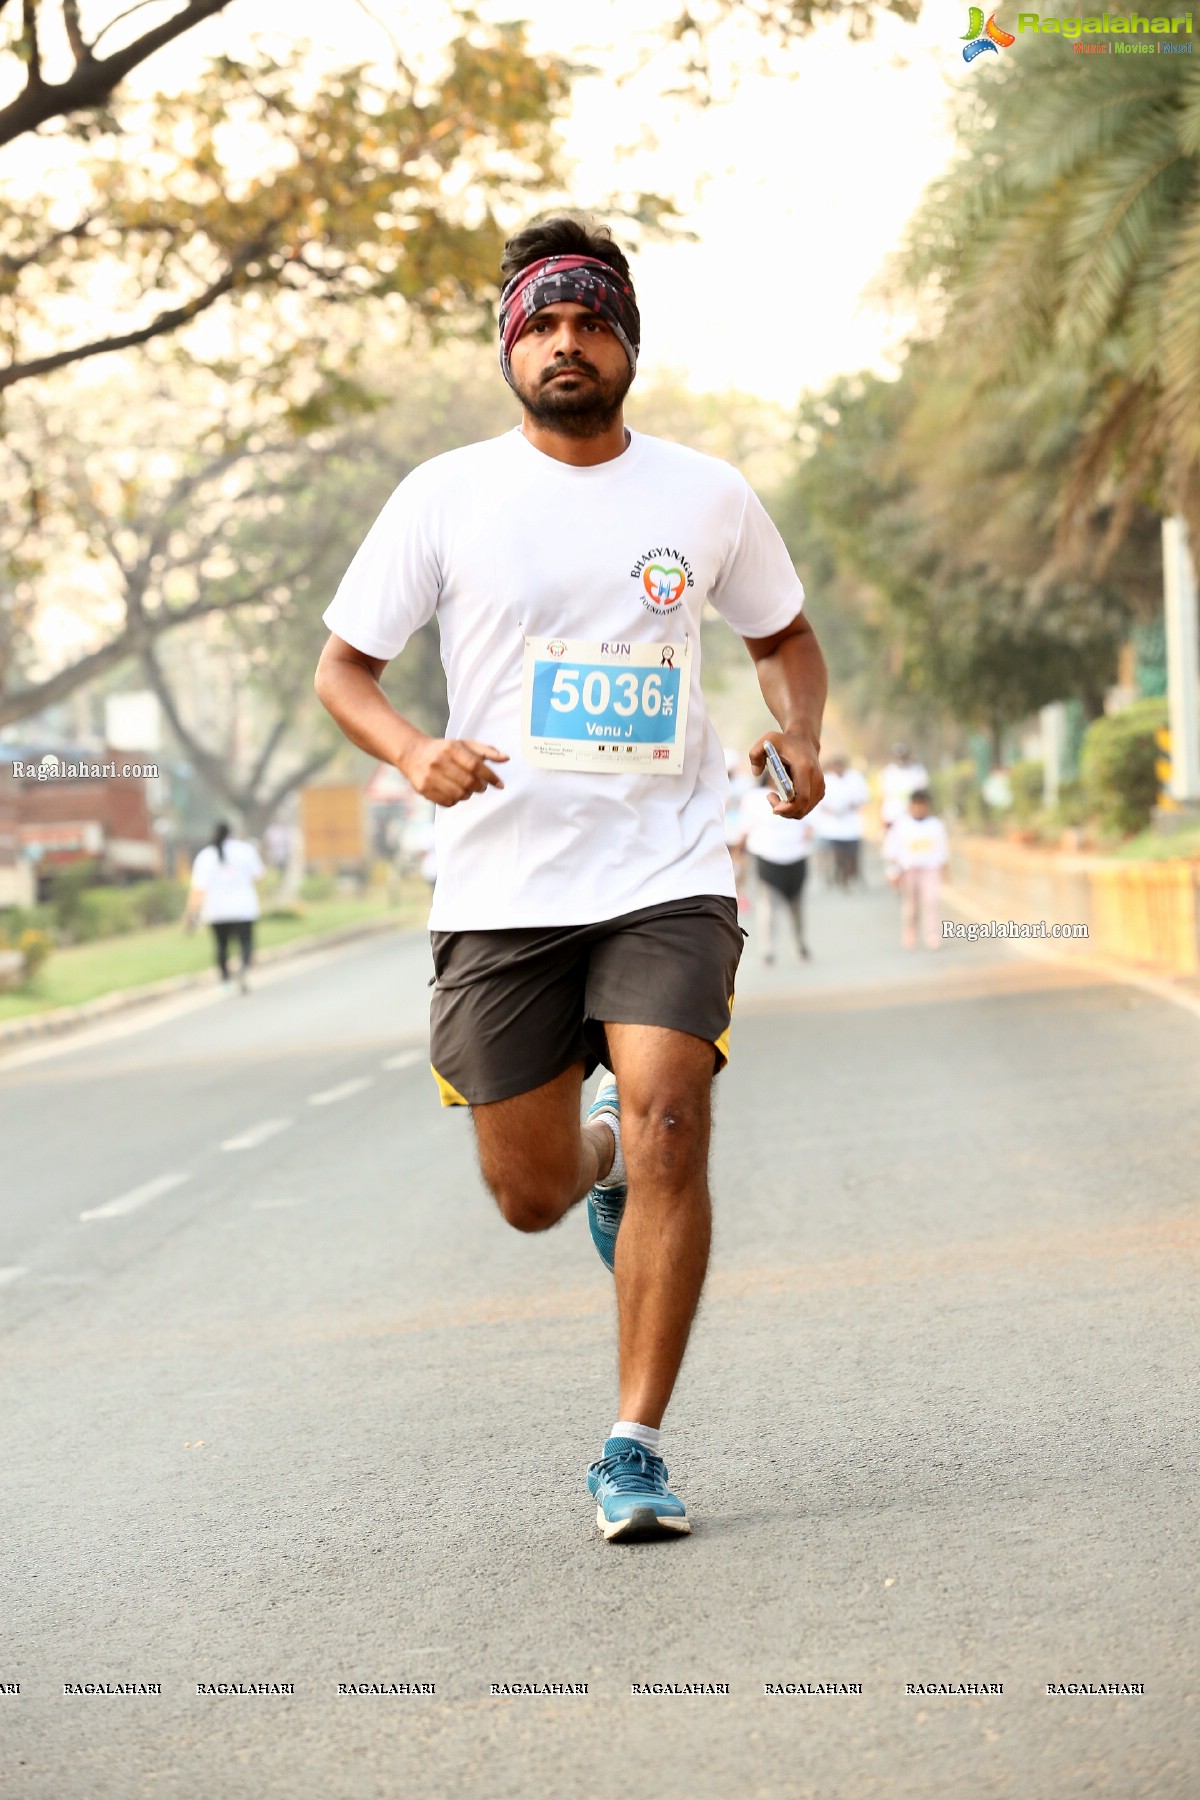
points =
(1063, 248)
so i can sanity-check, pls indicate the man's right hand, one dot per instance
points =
(447, 770)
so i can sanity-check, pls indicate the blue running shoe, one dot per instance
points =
(606, 1201)
(633, 1501)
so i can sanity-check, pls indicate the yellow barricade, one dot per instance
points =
(1143, 913)
(1146, 913)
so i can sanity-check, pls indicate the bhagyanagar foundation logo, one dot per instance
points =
(979, 37)
(664, 575)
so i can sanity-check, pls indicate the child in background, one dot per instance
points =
(915, 851)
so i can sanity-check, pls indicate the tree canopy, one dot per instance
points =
(1064, 244)
(265, 183)
(93, 77)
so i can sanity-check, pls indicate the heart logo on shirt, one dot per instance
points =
(663, 585)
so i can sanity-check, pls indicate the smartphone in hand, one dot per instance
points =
(779, 774)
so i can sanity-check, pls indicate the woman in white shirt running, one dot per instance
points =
(224, 896)
(780, 848)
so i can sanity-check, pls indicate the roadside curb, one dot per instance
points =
(70, 1018)
(1178, 990)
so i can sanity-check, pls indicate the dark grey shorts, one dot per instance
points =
(513, 1009)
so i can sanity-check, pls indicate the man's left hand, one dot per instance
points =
(800, 756)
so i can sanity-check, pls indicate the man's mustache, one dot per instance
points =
(568, 368)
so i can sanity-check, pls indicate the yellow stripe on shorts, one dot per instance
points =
(450, 1095)
(721, 1044)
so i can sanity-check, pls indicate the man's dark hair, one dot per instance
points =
(561, 234)
(923, 795)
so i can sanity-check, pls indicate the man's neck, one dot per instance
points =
(582, 453)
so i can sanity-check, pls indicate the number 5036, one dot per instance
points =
(594, 691)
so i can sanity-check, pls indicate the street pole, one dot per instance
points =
(1053, 721)
(1183, 664)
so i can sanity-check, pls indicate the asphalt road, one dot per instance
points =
(285, 1402)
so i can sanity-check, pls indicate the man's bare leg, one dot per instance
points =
(664, 1079)
(536, 1156)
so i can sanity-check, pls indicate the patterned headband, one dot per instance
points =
(561, 278)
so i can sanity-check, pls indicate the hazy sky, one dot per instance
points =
(797, 183)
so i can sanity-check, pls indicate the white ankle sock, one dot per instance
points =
(616, 1174)
(645, 1435)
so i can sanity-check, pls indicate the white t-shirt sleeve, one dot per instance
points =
(202, 866)
(391, 588)
(757, 591)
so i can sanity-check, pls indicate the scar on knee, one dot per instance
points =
(670, 1121)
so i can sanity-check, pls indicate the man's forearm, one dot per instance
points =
(354, 698)
(794, 684)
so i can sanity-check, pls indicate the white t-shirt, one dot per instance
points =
(776, 840)
(228, 882)
(916, 843)
(841, 809)
(900, 782)
(504, 543)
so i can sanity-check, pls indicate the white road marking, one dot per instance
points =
(13, 1274)
(405, 1060)
(257, 1134)
(343, 1092)
(136, 1197)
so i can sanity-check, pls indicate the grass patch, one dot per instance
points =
(86, 971)
(1155, 846)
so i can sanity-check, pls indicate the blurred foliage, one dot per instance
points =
(987, 525)
(84, 910)
(957, 795)
(1027, 780)
(699, 31)
(1117, 766)
(277, 190)
(318, 887)
(1071, 808)
(85, 104)
(83, 98)
(1060, 255)
(934, 621)
(67, 887)
(35, 946)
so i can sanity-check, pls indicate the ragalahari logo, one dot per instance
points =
(980, 37)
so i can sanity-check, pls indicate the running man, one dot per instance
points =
(585, 909)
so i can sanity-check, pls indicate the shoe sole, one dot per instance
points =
(641, 1525)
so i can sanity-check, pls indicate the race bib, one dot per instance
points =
(610, 708)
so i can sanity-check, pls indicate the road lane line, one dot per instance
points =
(329, 1095)
(13, 1274)
(405, 1060)
(257, 1134)
(135, 1198)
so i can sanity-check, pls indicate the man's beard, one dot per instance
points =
(582, 410)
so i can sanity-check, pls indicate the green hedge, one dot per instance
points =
(1117, 766)
(956, 795)
(1027, 780)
